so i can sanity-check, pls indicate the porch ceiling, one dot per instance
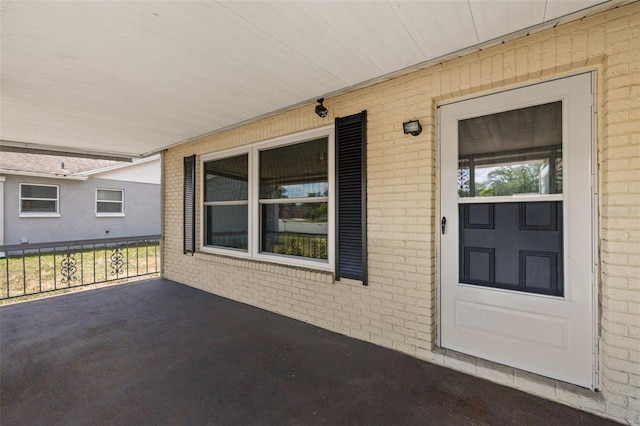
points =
(129, 78)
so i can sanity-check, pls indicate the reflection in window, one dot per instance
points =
(226, 226)
(294, 191)
(226, 202)
(513, 152)
(294, 171)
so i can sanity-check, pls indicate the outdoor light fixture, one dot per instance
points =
(321, 110)
(412, 128)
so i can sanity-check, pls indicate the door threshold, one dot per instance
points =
(535, 384)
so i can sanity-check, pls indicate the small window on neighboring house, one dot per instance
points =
(109, 202)
(38, 200)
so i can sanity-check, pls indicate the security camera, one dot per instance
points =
(321, 110)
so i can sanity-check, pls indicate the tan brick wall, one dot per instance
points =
(398, 308)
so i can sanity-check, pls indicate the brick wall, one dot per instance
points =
(398, 308)
(619, 152)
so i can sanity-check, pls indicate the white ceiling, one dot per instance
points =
(132, 77)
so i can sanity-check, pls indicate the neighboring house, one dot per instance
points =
(503, 240)
(45, 198)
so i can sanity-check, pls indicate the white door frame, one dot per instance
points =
(593, 382)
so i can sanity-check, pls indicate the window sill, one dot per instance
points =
(231, 253)
(290, 261)
(302, 272)
(109, 214)
(39, 215)
(294, 262)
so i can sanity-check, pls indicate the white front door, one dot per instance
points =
(516, 234)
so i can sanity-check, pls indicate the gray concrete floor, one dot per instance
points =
(160, 353)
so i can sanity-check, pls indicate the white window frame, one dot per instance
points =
(253, 246)
(38, 214)
(203, 204)
(99, 214)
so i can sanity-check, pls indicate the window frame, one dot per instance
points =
(254, 225)
(122, 212)
(221, 155)
(22, 213)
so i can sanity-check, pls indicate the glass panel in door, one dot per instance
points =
(513, 161)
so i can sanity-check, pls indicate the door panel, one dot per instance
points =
(537, 329)
(516, 267)
(515, 246)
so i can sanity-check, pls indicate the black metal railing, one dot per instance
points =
(290, 243)
(27, 269)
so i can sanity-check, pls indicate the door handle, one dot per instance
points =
(444, 224)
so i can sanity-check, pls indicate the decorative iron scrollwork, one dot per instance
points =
(117, 261)
(68, 267)
(464, 182)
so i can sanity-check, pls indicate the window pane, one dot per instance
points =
(226, 226)
(109, 207)
(36, 191)
(295, 171)
(227, 179)
(38, 206)
(298, 229)
(513, 152)
(107, 195)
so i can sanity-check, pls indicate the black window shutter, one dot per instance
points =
(351, 197)
(189, 188)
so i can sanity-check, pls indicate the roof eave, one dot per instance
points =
(42, 175)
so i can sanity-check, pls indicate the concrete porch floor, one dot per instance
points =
(159, 353)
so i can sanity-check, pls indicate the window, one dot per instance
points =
(528, 162)
(109, 202)
(294, 198)
(38, 200)
(226, 192)
(271, 201)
